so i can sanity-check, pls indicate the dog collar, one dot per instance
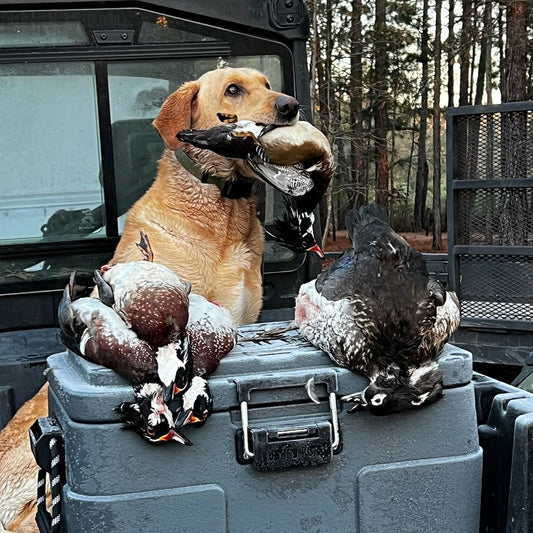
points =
(240, 188)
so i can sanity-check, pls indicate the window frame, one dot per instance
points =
(241, 45)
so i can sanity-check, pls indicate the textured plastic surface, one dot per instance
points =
(22, 362)
(506, 434)
(405, 472)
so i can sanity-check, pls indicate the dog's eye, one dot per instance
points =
(233, 90)
(267, 85)
(150, 430)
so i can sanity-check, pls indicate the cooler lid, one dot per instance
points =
(274, 372)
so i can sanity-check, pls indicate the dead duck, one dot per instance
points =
(150, 298)
(376, 311)
(150, 417)
(295, 159)
(97, 332)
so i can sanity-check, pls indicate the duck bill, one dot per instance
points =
(170, 392)
(178, 437)
(317, 250)
(358, 400)
(183, 418)
(105, 291)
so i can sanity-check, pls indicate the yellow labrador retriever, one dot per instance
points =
(212, 239)
(207, 233)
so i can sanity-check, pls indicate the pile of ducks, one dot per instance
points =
(374, 311)
(143, 322)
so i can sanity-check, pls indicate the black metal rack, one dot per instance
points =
(490, 213)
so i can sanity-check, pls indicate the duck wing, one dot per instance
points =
(151, 299)
(212, 334)
(96, 332)
(445, 324)
(333, 326)
(236, 140)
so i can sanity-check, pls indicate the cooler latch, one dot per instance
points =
(275, 447)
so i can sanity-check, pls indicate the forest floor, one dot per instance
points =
(416, 240)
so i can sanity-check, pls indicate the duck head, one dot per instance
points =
(195, 405)
(149, 416)
(295, 230)
(174, 367)
(393, 391)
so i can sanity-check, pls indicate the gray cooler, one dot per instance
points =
(304, 467)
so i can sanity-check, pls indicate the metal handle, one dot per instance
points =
(295, 378)
(289, 379)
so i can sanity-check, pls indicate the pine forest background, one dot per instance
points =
(382, 74)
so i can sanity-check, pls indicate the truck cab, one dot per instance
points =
(81, 84)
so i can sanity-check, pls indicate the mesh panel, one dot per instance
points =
(493, 146)
(496, 287)
(494, 217)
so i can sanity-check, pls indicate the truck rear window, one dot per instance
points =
(78, 148)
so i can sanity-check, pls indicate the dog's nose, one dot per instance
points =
(287, 107)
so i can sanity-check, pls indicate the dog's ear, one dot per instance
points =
(175, 114)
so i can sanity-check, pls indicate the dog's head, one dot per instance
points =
(243, 92)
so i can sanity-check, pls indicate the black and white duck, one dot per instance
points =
(158, 421)
(376, 311)
(295, 159)
(193, 406)
(150, 417)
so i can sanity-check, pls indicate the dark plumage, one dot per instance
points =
(149, 416)
(377, 312)
(295, 159)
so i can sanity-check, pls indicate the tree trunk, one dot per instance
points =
(421, 170)
(484, 50)
(356, 198)
(488, 58)
(437, 231)
(515, 66)
(464, 56)
(380, 104)
(501, 50)
(451, 52)
(514, 127)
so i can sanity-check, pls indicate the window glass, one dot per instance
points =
(50, 268)
(42, 34)
(136, 92)
(50, 183)
(161, 31)
(51, 174)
